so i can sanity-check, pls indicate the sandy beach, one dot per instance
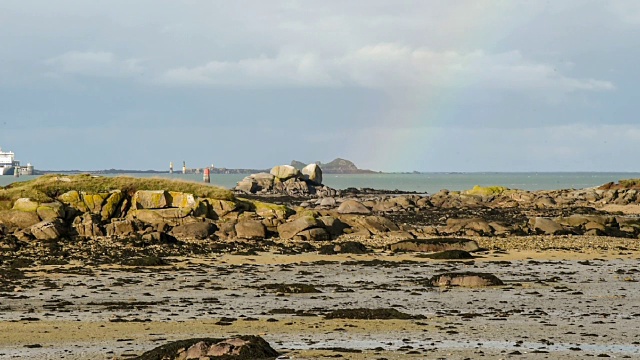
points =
(553, 304)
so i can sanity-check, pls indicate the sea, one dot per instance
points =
(424, 183)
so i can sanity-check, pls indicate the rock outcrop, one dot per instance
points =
(187, 212)
(239, 347)
(313, 173)
(286, 180)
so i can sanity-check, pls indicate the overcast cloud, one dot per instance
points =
(392, 85)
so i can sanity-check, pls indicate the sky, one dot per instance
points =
(393, 85)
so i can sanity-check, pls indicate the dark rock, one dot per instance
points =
(197, 230)
(251, 229)
(158, 237)
(293, 288)
(246, 347)
(145, 261)
(466, 279)
(334, 226)
(449, 255)
(120, 227)
(546, 226)
(377, 224)
(353, 207)
(290, 229)
(435, 245)
(88, 225)
(315, 234)
(47, 230)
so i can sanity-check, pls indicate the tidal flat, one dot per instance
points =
(553, 304)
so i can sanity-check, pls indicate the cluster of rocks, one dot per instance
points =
(287, 180)
(161, 216)
(499, 212)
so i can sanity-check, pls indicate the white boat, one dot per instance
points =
(8, 163)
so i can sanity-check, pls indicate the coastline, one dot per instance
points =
(423, 183)
(117, 281)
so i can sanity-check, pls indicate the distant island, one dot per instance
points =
(337, 166)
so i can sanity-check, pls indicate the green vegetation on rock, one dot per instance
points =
(486, 190)
(48, 187)
(630, 183)
(267, 210)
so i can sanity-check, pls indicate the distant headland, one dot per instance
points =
(337, 166)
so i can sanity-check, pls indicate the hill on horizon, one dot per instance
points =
(337, 166)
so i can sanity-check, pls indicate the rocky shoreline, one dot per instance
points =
(138, 250)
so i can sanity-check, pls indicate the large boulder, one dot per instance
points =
(269, 210)
(239, 347)
(120, 227)
(88, 225)
(171, 216)
(353, 207)
(111, 205)
(73, 199)
(377, 224)
(50, 211)
(18, 219)
(294, 187)
(577, 220)
(546, 226)
(334, 226)
(315, 234)
(181, 200)
(47, 230)
(477, 225)
(264, 181)
(222, 207)
(151, 199)
(94, 202)
(196, 230)
(328, 202)
(290, 229)
(247, 185)
(284, 172)
(25, 204)
(313, 173)
(250, 229)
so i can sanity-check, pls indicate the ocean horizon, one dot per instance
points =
(419, 182)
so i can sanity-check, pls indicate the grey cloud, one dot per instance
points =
(100, 64)
(387, 66)
(341, 78)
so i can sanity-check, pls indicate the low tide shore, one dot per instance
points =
(110, 268)
(553, 304)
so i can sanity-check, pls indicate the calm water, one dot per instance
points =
(425, 183)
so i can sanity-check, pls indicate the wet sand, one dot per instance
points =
(554, 304)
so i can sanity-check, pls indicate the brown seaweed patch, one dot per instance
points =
(432, 245)
(292, 288)
(123, 305)
(145, 261)
(466, 279)
(371, 314)
(448, 255)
